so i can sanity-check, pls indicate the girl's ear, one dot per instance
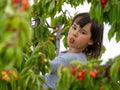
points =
(90, 42)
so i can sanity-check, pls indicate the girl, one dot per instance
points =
(85, 38)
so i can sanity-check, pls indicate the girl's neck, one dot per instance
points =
(73, 50)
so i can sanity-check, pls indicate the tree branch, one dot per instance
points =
(58, 39)
(37, 22)
(50, 26)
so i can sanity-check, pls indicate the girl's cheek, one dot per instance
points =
(69, 33)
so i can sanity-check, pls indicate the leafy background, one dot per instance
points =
(25, 49)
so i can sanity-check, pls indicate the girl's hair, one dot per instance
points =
(96, 30)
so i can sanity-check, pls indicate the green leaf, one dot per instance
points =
(66, 29)
(9, 10)
(65, 42)
(55, 21)
(24, 70)
(114, 68)
(3, 85)
(115, 85)
(111, 31)
(38, 83)
(41, 33)
(26, 81)
(112, 14)
(98, 13)
(51, 6)
(117, 36)
(118, 12)
(50, 49)
(32, 60)
(77, 62)
(65, 80)
(15, 22)
(18, 55)
(47, 1)
(22, 39)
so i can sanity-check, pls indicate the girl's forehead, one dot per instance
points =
(86, 27)
(82, 21)
(77, 20)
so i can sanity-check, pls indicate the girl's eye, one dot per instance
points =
(82, 32)
(74, 27)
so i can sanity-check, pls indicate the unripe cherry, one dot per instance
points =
(45, 60)
(6, 78)
(3, 73)
(51, 38)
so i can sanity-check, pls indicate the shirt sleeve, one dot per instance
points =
(56, 63)
(65, 60)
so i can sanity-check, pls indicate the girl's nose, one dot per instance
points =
(75, 33)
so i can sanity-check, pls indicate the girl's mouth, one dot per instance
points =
(71, 40)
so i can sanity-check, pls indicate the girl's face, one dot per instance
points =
(79, 38)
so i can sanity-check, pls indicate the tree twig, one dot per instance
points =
(37, 22)
(58, 39)
(50, 26)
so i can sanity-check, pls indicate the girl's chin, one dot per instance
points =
(71, 45)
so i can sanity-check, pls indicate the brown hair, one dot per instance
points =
(96, 30)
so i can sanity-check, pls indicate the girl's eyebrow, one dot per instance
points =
(80, 27)
(83, 29)
(74, 24)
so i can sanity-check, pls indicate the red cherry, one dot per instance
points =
(10, 71)
(93, 74)
(25, 5)
(101, 88)
(81, 75)
(16, 1)
(103, 3)
(74, 70)
(71, 40)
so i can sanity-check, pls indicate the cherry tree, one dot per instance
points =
(28, 41)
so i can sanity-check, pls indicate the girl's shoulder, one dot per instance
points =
(73, 56)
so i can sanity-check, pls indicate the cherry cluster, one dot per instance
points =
(24, 4)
